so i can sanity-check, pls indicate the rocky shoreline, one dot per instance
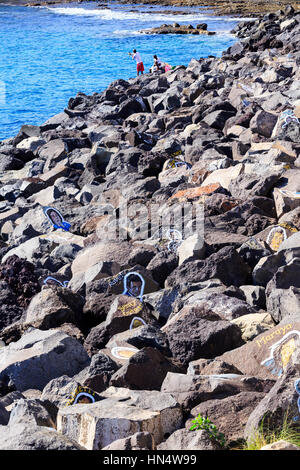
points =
(152, 328)
(217, 7)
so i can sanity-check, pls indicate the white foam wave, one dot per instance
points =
(107, 14)
(126, 32)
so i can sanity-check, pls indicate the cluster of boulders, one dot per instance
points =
(217, 330)
(176, 28)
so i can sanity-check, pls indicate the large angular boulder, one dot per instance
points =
(229, 414)
(263, 123)
(120, 414)
(137, 373)
(248, 185)
(268, 266)
(285, 200)
(122, 312)
(89, 259)
(196, 332)
(191, 390)
(30, 411)
(254, 324)
(30, 437)
(98, 373)
(52, 307)
(184, 439)
(40, 356)
(142, 336)
(227, 307)
(225, 265)
(283, 291)
(59, 391)
(269, 354)
(138, 441)
(162, 301)
(279, 405)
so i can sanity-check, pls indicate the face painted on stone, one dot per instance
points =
(55, 217)
(81, 395)
(84, 399)
(133, 285)
(135, 288)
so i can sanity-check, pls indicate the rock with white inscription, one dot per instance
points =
(269, 354)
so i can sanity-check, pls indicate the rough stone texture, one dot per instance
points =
(30, 411)
(138, 441)
(210, 367)
(254, 324)
(283, 291)
(98, 374)
(269, 353)
(280, 445)
(29, 437)
(229, 414)
(279, 404)
(196, 333)
(39, 356)
(138, 373)
(52, 307)
(20, 277)
(225, 265)
(191, 390)
(218, 136)
(183, 439)
(127, 412)
(4, 415)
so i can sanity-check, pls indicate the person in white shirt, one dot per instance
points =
(139, 63)
(157, 64)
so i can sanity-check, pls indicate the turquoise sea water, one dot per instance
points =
(48, 54)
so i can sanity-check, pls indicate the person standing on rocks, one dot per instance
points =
(139, 63)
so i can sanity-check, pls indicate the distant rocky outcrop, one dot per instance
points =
(176, 28)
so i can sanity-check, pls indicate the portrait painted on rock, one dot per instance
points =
(56, 219)
(276, 236)
(134, 285)
(82, 395)
(279, 234)
(175, 238)
(136, 322)
(281, 352)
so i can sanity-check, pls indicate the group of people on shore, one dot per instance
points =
(158, 64)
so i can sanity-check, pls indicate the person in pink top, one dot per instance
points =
(139, 63)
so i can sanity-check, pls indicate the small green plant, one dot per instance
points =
(289, 431)
(203, 423)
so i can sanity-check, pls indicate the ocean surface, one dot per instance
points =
(48, 54)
